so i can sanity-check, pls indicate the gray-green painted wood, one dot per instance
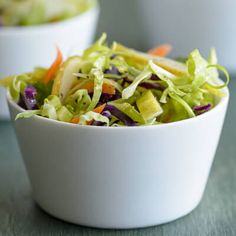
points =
(216, 215)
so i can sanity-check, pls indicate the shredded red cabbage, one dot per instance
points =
(112, 71)
(106, 113)
(106, 97)
(120, 115)
(152, 86)
(202, 109)
(29, 97)
(21, 102)
(154, 77)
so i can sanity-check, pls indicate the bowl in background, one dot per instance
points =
(191, 24)
(23, 48)
(119, 177)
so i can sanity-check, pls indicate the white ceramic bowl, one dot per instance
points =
(190, 24)
(121, 177)
(23, 48)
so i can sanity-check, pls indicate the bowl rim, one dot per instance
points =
(8, 30)
(216, 109)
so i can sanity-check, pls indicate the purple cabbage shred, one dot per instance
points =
(201, 109)
(28, 99)
(154, 77)
(152, 86)
(104, 113)
(120, 115)
(112, 71)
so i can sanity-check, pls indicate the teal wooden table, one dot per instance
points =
(216, 214)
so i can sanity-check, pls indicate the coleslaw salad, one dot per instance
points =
(118, 86)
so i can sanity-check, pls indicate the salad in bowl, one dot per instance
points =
(35, 12)
(118, 86)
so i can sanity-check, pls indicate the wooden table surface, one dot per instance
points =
(216, 214)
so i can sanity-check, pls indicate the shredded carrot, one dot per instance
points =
(75, 120)
(99, 109)
(106, 88)
(88, 86)
(161, 50)
(54, 67)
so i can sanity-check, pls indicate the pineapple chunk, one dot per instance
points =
(148, 106)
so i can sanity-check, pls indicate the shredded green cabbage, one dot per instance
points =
(63, 114)
(97, 91)
(28, 114)
(129, 91)
(90, 116)
(79, 101)
(18, 85)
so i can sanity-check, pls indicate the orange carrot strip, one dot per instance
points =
(88, 86)
(89, 122)
(54, 67)
(99, 109)
(75, 120)
(162, 50)
(106, 88)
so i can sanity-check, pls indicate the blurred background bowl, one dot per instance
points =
(184, 24)
(23, 48)
(192, 24)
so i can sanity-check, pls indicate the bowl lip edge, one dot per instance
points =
(218, 107)
(8, 30)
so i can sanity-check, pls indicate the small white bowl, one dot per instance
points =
(216, 31)
(23, 48)
(121, 177)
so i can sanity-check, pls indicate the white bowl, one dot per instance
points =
(23, 48)
(190, 24)
(121, 177)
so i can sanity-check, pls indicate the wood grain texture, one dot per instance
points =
(216, 214)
